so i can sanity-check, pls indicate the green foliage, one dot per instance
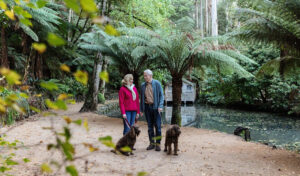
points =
(14, 113)
(150, 14)
(8, 160)
(267, 93)
(101, 98)
(272, 22)
(72, 170)
(73, 87)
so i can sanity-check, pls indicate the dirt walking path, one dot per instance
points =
(202, 152)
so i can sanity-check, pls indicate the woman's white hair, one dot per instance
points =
(149, 72)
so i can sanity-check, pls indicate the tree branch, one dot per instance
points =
(140, 20)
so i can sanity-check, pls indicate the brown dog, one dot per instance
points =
(172, 135)
(128, 139)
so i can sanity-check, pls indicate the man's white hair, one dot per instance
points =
(149, 72)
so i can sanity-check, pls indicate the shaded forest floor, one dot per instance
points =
(202, 152)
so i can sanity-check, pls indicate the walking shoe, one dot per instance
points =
(150, 147)
(157, 148)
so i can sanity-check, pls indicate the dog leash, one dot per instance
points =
(127, 123)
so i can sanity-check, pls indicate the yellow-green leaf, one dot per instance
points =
(156, 138)
(61, 105)
(49, 85)
(55, 40)
(11, 76)
(12, 97)
(73, 4)
(85, 124)
(67, 119)
(51, 104)
(126, 149)
(71, 101)
(45, 114)
(78, 122)
(72, 170)
(91, 147)
(81, 76)
(24, 95)
(38, 95)
(2, 109)
(65, 68)
(3, 5)
(142, 174)
(110, 30)
(35, 109)
(20, 11)
(88, 5)
(46, 168)
(62, 97)
(104, 76)
(26, 160)
(41, 3)
(40, 47)
(10, 14)
(107, 140)
(25, 21)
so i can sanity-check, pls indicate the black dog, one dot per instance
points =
(129, 140)
(172, 135)
(239, 130)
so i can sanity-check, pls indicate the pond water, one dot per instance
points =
(281, 131)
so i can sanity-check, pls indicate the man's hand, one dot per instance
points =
(160, 110)
(124, 116)
(141, 114)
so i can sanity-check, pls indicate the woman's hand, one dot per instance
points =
(124, 116)
(137, 116)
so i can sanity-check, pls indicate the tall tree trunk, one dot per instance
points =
(102, 82)
(70, 17)
(39, 66)
(282, 63)
(197, 14)
(214, 18)
(91, 99)
(24, 44)
(103, 7)
(4, 56)
(27, 66)
(206, 18)
(201, 18)
(176, 95)
(227, 17)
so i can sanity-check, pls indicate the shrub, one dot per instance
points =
(101, 98)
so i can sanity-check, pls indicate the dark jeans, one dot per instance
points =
(131, 119)
(154, 121)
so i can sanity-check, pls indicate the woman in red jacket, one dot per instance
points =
(129, 102)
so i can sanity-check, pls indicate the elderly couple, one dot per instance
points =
(151, 105)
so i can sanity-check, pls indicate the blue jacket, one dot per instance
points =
(158, 95)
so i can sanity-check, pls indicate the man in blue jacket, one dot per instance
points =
(152, 100)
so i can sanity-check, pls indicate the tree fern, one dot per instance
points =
(274, 22)
(29, 32)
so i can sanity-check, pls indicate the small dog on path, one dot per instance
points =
(172, 135)
(128, 140)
